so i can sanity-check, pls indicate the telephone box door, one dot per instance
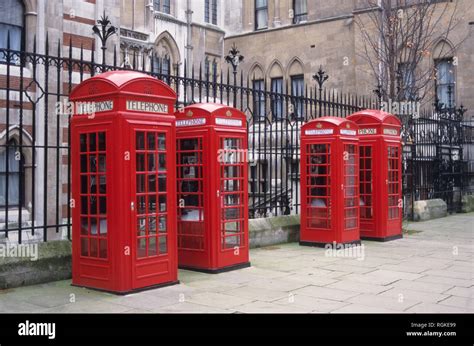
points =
(192, 178)
(231, 194)
(393, 187)
(153, 237)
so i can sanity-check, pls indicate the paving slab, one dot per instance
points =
(326, 293)
(430, 271)
(377, 301)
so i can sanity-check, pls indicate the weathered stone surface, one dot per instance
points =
(53, 263)
(273, 231)
(430, 209)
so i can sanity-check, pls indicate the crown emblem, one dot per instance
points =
(228, 113)
(319, 125)
(190, 114)
(348, 126)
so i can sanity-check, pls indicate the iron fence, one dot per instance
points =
(35, 155)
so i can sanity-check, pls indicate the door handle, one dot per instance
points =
(132, 206)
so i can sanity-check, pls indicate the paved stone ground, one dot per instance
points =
(427, 271)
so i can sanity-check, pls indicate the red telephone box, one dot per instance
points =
(212, 174)
(329, 182)
(124, 183)
(380, 175)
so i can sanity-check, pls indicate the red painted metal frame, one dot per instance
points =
(213, 125)
(329, 207)
(124, 270)
(380, 131)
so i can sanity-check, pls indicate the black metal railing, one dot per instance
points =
(33, 87)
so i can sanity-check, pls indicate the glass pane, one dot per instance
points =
(83, 143)
(84, 186)
(141, 207)
(151, 141)
(152, 247)
(140, 183)
(151, 163)
(92, 142)
(161, 142)
(93, 163)
(94, 228)
(103, 227)
(162, 183)
(84, 226)
(140, 162)
(151, 204)
(151, 183)
(102, 141)
(162, 224)
(141, 248)
(102, 205)
(162, 203)
(102, 163)
(152, 226)
(140, 143)
(84, 205)
(83, 163)
(163, 245)
(162, 162)
(141, 226)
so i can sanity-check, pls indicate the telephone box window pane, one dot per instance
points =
(102, 205)
(83, 143)
(84, 185)
(162, 224)
(152, 225)
(140, 162)
(230, 200)
(152, 247)
(84, 226)
(161, 183)
(93, 205)
(151, 183)
(141, 248)
(140, 144)
(93, 163)
(140, 183)
(151, 204)
(141, 207)
(141, 226)
(94, 226)
(103, 227)
(84, 205)
(162, 162)
(151, 163)
(102, 163)
(84, 164)
(151, 141)
(163, 245)
(161, 142)
(232, 214)
(92, 142)
(162, 203)
(102, 141)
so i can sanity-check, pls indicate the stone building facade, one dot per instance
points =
(293, 38)
(284, 43)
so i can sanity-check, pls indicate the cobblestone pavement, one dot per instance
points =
(430, 270)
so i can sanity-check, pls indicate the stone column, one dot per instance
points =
(276, 14)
